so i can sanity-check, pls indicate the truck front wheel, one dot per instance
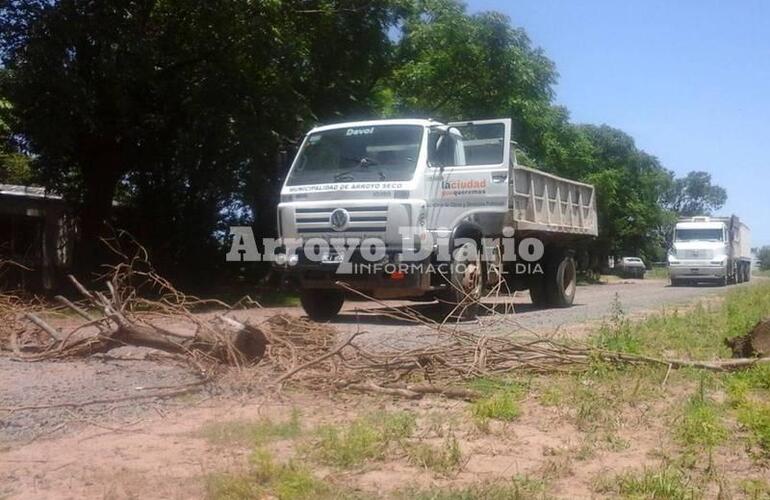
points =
(321, 304)
(466, 282)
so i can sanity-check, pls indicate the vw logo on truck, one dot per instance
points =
(339, 219)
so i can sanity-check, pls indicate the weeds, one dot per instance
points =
(500, 401)
(748, 392)
(266, 478)
(442, 459)
(252, 432)
(499, 406)
(618, 333)
(364, 439)
(668, 483)
(755, 417)
(701, 425)
(518, 488)
(755, 489)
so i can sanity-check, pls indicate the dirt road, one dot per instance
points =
(593, 303)
(133, 371)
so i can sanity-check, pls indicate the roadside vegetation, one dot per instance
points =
(674, 433)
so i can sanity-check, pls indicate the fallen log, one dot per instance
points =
(223, 339)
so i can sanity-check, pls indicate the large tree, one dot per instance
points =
(179, 107)
(14, 164)
(695, 194)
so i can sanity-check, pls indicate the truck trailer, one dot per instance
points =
(453, 212)
(710, 249)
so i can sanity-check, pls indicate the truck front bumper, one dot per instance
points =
(692, 271)
(380, 280)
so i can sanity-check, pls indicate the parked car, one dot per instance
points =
(630, 267)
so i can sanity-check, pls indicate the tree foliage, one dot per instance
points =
(694, 194)
(763, 255)
(185, 111)
(14, 164)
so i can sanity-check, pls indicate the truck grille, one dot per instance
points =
(369, 219)
(695, 254)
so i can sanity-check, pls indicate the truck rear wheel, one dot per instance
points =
(321, 304)
(466, 282)
(557, 286)
(561, 280)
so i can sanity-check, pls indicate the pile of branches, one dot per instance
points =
(11, 302)
(447, 355)
(138, 307)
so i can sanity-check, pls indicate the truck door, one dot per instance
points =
(469, 171)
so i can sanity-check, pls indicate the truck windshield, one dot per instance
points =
(699, 234)
(375, 153)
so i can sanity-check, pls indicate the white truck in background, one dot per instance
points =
(455, 182)
(710, 249)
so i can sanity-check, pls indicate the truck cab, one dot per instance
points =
(710, 249)
(400, 209)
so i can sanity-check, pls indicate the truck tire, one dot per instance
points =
(740, 273)
(466, 280)
(748, 272)
(321, 304)
(561, 280)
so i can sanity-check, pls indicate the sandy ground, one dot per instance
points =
(147, 448)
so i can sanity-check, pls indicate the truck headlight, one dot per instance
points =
(672, 260)
(719, 260)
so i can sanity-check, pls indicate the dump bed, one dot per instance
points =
(544, 202)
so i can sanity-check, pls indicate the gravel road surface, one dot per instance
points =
(593, 303)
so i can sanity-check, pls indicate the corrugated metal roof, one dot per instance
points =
(27, 192)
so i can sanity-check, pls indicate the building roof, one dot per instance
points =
(28, 192)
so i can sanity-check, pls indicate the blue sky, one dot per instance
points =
(689, 80)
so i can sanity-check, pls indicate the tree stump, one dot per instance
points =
(755, 344)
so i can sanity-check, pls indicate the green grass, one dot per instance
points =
(749, 393)
(442, 459)
(618, 333)
(518, 488)
(701, 426)
(499, 401)
(696, 333)
(278, 299)
(755, 489)
(268, 479)
(364, 439)
(595, 398)
(664, 483)
(657, 273)
(502, 406)
(252, 432)
(755, 417)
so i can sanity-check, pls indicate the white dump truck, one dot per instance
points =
(416, 209)
(710, 249)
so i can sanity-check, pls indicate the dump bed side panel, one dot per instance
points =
(743, 244)
(545, 202)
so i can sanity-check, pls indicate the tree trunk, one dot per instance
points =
(100, 180)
